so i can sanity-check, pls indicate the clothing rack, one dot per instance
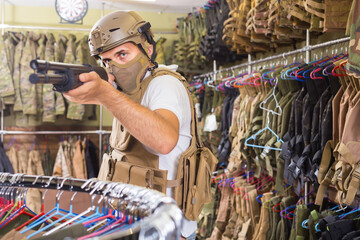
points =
(306, 49)
(159, 214)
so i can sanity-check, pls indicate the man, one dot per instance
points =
(152, 112)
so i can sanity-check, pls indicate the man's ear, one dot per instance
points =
(150, 50)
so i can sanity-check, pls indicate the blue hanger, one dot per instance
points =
(348, 213)
(79, 216)
(265, 74)
(286, 74)
(53, 212)
(67, 216)
(253, 137)
(305, 222)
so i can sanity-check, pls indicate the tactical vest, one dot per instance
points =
(129, 161)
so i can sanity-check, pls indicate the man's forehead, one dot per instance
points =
(128, 46)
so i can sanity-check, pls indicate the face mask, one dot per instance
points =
(129, 75)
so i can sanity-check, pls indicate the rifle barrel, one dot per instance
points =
(47, 78)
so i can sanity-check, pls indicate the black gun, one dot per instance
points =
(65, 76)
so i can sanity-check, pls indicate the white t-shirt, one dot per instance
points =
(167, 92)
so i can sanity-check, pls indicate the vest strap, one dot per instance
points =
(174, 183)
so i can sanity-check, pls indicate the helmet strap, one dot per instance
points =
(144, 29)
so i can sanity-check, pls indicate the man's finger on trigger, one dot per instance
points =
(84, 77)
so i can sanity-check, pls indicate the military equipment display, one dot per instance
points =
(64, 77)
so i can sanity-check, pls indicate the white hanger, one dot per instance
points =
(276, 101)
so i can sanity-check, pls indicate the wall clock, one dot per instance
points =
(71, 11)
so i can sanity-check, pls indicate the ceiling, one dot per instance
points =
(160, 6)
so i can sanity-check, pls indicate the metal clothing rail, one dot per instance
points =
(101, 132)
(160, 215)
(283, 55)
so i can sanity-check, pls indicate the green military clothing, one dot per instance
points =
(75, 111)
(39, 87)
(49, 99)
(17, 70)
(59, 53)
(27, 89)
(6, 83)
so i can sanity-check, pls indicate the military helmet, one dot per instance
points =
(115, 29)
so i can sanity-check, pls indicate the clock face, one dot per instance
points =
(71, 10)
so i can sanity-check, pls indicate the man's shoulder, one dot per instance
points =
(166, 81)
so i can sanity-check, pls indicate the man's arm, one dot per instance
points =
(158, 130)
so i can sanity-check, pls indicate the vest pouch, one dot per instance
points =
(147, 177)
(141, 176)
(121, 172)
(160, 180)
(195, 190)
(107, 168)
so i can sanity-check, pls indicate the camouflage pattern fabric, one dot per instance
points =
(75, 111)
(10, 42)
(60, 48)
(39, 87)
(27, 89)
(48, 94)
(6, 83)
(160, 55)
(16, 75)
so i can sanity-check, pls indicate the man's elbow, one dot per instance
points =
(168, 145)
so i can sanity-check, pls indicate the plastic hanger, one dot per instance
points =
(339, 67)
(87, 211)
(286, 75)
(22, 210)
(67, 216)
(36, 216)
(253, 137)
(8, 203)
(13, 206)
(120, 221)
(267, 180)
(56, 211)
(304, 223)
(211, 82)
(272, 95)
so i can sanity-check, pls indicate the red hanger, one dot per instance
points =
(338, 67)
(275, 206)
(313, 76)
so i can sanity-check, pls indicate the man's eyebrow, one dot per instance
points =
(119, 52)
(115, 54)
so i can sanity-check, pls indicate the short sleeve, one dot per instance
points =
(167, 92)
